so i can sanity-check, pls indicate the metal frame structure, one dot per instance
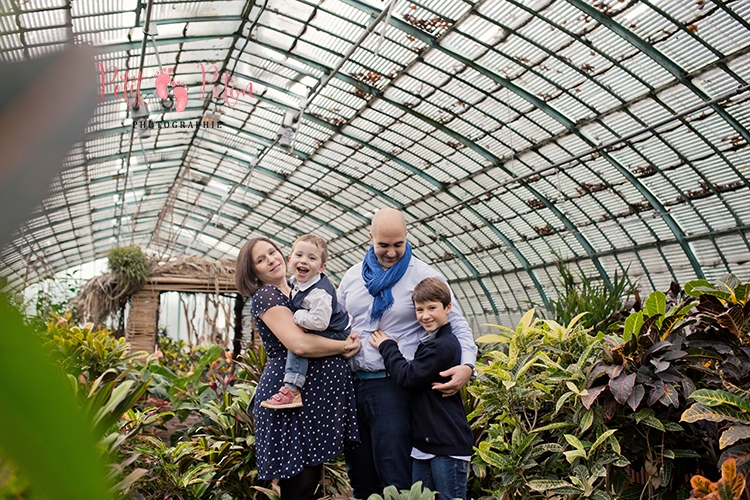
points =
(614, 134)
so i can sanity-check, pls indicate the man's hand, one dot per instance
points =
(459, 375)
(353, 346)
(378, 337)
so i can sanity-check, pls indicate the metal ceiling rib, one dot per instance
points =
(508, 131)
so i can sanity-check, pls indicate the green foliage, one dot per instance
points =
(415, 493)
(252, 363)
(43, 434)
(540, 440)
(642, 383)
(729, 487)
(733, 409)
(105, 402)
(643, 364)
(11, 484)
(54, 297)
(84, 352)
(129, 266)
(576, 295)
(213, 459)
(334, 482)
(722, 333)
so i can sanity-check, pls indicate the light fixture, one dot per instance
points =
(290, 123)
(139, 114)
(211, 119)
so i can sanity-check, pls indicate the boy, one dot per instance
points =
(441, 437)
(316, 310)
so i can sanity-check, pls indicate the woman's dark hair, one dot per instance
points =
(245, 277)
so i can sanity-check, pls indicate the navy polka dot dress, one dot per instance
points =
(288, 440)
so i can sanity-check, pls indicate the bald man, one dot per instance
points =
(377, 295)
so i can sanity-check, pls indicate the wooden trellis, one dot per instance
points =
(184, 275)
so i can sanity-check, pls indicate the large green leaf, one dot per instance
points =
(656, 304)
(699, 412)
(601, 439)
(42, 430)
(718, 397)
(548, 484)
(633, 325)
(696, 288)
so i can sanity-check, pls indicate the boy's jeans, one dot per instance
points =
(445, 475)
(296, 366)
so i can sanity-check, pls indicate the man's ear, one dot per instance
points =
(372, 240)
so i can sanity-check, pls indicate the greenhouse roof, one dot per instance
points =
(510, 132)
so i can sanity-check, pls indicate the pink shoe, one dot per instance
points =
(283, 399)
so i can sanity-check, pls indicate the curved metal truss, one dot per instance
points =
(613, 133)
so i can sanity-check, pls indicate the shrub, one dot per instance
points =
(540, 440)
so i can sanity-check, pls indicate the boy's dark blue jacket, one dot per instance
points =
(438, 424)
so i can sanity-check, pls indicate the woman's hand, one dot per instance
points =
(353, 347)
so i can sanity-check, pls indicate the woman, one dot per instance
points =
(291, 445)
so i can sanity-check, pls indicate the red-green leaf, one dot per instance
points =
(621, 387)
(733, 320)
(670, 396)
(636, 397)
(592, 394)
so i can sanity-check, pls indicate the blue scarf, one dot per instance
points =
(379, 281)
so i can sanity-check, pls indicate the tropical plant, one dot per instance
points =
(641, 364)
(172, 471)
(129, 266)
(723, 331)
(227, 441)
(334, 480)
(104, 402)
(729, 487)
(43, 434)
(540, 441)
(721, 406)
(252, 363)
(642, 384)
(602, 302)
(84, 352)
(415, 493)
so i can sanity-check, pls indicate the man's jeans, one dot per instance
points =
(383, 456)
(295, 370)
(443, 474)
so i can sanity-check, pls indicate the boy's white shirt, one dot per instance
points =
(317, 306)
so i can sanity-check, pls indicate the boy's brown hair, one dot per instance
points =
(431, 290)
(318, 242)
